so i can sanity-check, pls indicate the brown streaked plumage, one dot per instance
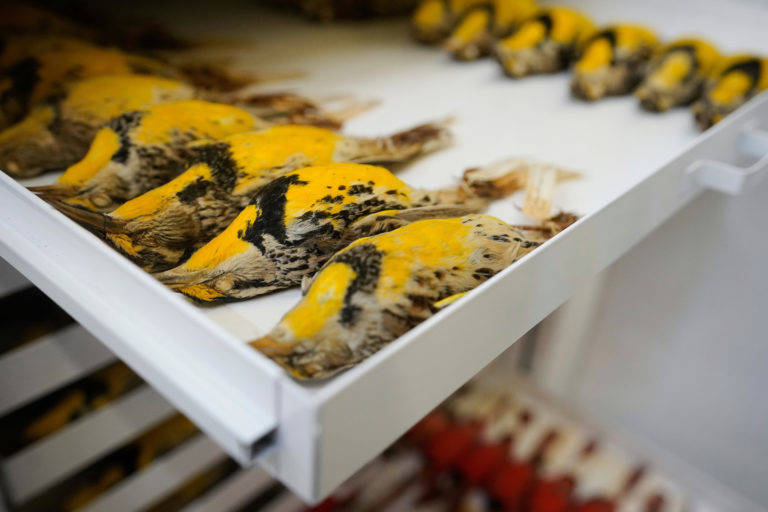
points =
(143, 149)
(677, 75)
(481, 25)
(379, 287)
(613, 61)
(432, 20)
(57, 133)
(157, 229)
(296, 222)
(735, 80)
(544, 43)
(32, 71)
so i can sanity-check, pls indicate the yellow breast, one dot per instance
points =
(512, 12)
(598, 55)
(707, 55)
(59, 65)
(674, 68)
(203, 118)
(226, 244)
(322, 303)
(430, 14)
(432, 244)
(424, 245)
(256, 152)
(528, 35)
(154, 200)
(104, 146)
(472, 24)
(105, 97)
(634, 37)
(732, 85)
(568, 26)
(324, 180)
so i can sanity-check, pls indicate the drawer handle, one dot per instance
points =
(730, 178)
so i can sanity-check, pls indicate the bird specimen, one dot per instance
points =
(296, 222)
(143, 149)
(35, 69)
(379, 287)
(612, 61)
(57, 133)
(545, 43)
(480, 25)
(677, 75)
(159, 228)
(33, 72)
(734, 82)
(433, 20)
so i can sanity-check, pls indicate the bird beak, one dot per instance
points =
(271, 347)
(200, 292)
(180, 277)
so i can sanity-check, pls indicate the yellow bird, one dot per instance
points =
(613, 61)
(296, 222)
(480, 26)
(57, 133)
(143, 149)
(157, 229)
(433, 20)
(379, 287)
(677, 75)
(36, 69)
(736, 79)
(545, 43)
(32, 73)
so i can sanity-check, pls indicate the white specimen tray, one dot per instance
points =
(638, 169)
